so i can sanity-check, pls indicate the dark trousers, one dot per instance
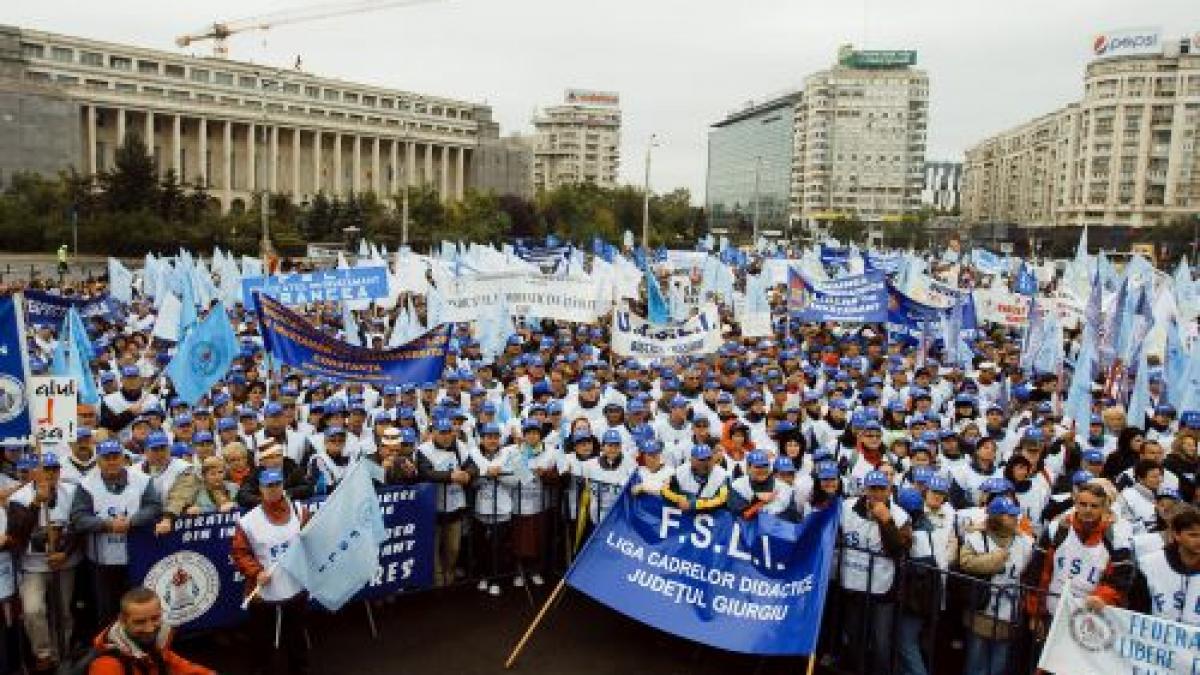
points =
(111, 582)
(867, 632)
(291, 656)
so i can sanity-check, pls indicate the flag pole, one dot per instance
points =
(812, 662)
(537, 620)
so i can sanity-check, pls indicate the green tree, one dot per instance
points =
(132, 184)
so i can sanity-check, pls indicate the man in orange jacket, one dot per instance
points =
(139, 641)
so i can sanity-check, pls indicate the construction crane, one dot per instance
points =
(220, 31)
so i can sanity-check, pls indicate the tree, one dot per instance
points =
(132, 184)
(170, 198)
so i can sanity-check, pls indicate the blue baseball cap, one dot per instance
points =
(226, 424)
(650, 446)
(784, 464)
(938, 483)
(50, 461)
(758, 459)
(1003, 506)
(408, 435)
(130, 371)
(910, 499)
(109, 448)
(1093, 457)
(876, 479)
(1168, 493)
(334, 430)
(181, 449)
(1081, 476)
(827, 471)
(202, 437)
(489, 429)
(270, 477)
(443, 424)
(701, 451)
(157, 439)
(531, 425)
(272, 409)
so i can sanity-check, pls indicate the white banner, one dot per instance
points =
(563, 299)
(756, 324)
(633, 336)
(1117, 642)
(53, 403)
(998, 305)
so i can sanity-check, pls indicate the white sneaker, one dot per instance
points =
(494, 591)
(483, 586)
(518, 581)
(536, 579)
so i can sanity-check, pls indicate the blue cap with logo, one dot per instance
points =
(109, 448)
(758, 458)
(701, 452)
(270, 477)
(1003, 506)
(876, 479)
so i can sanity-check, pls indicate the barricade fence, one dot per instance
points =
(917, 619)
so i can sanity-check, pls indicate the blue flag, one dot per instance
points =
(204, 356)
(1189, 382)
(1176, 361)
(1139, 399)
(1079, 394)
(657, 310)
(1026, 283)
(14, 372)
(754, 586)
(71, 357)
(337, 552)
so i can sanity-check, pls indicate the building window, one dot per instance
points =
(291, 88)
(205, 98)
(247, 81)
(200, 75)
(173, 71)
(178, 93)
(32, 51)
(153, 91)
(62, 54)
(351, 98)
(92, 59)
(35, 76)
(67, 79)
(223, 78)
(312, 92)
(148, 67)
(97, 84)
(120, 63)
(332, 95)
(126, 88)
(387, 103)
(368, 101)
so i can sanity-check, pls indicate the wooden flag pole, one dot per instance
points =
(812, 662)
(537, 620)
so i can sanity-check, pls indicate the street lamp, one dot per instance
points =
(646, 196)
(265, 245)
(757, 171)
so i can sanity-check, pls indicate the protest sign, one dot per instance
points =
(754, 586)
(1117, 642)
(14, 371)
(856, 299)
(294, 341)
(48, 309)
(573, 299)
(344, 285)
(53, 402)
(999, 305)
(634, 336)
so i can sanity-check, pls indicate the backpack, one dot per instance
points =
(84, 664)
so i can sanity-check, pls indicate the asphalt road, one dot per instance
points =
(465, 632)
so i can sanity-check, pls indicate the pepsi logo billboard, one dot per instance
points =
(1128, 42)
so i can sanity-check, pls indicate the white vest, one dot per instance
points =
(1137, 507)
(108, 548)
(531, 497)
(1077, 566)
(1004, 590)
(655, 481)
(1173, 596)
(166, 478)
(777, 505)
(268, 541)
(451, 496)
(494, 496)
(8, 570)
(605, 485)
(862, 550)
(35, 561)
(692, 487)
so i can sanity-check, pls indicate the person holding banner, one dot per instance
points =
(605, 476)
(1167, 582)
(278, 604)
(112, 499)
(38, 529)
(699, 485)
(449, 461)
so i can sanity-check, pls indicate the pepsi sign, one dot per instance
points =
(1127, 42)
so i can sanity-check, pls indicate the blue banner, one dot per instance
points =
(888, 263)
(906, 317)
(359, 283)
(857, 299)
(753, 586)
(834, 257)
(48, 309)
(191, 571)
(14, 375)
(290, 338)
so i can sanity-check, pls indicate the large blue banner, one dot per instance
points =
(856, 299)
(906, 318)
(14, 399)
(290, 338)
(754, 586)
(359, 283)
(191, 571)
(834, 257)
(48, 309)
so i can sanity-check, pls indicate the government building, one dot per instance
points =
(1126, 154)
(236, 128)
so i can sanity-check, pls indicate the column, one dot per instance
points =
(428, 176)
(202, 146)
(316, 162)
(91, 140)
(177, 146)
(375, 166)
(444, 183)
(393, 180)
(337, 165)
(459, 177)
(410, 171)
(251, 178)
(273, 159)
(120, 127)
(148, 137)
(296, 165)
(356, 165)
(227, 163)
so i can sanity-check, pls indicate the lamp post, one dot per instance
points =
(646, 196)
(757, 171)
(264, 246)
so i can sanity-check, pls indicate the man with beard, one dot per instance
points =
(140, 641)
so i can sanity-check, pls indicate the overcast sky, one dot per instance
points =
(679, 65)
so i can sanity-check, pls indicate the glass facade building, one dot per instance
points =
(749, 146)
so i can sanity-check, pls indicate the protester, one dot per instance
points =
(139, 641)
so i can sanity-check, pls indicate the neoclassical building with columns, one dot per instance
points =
(236, 128)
